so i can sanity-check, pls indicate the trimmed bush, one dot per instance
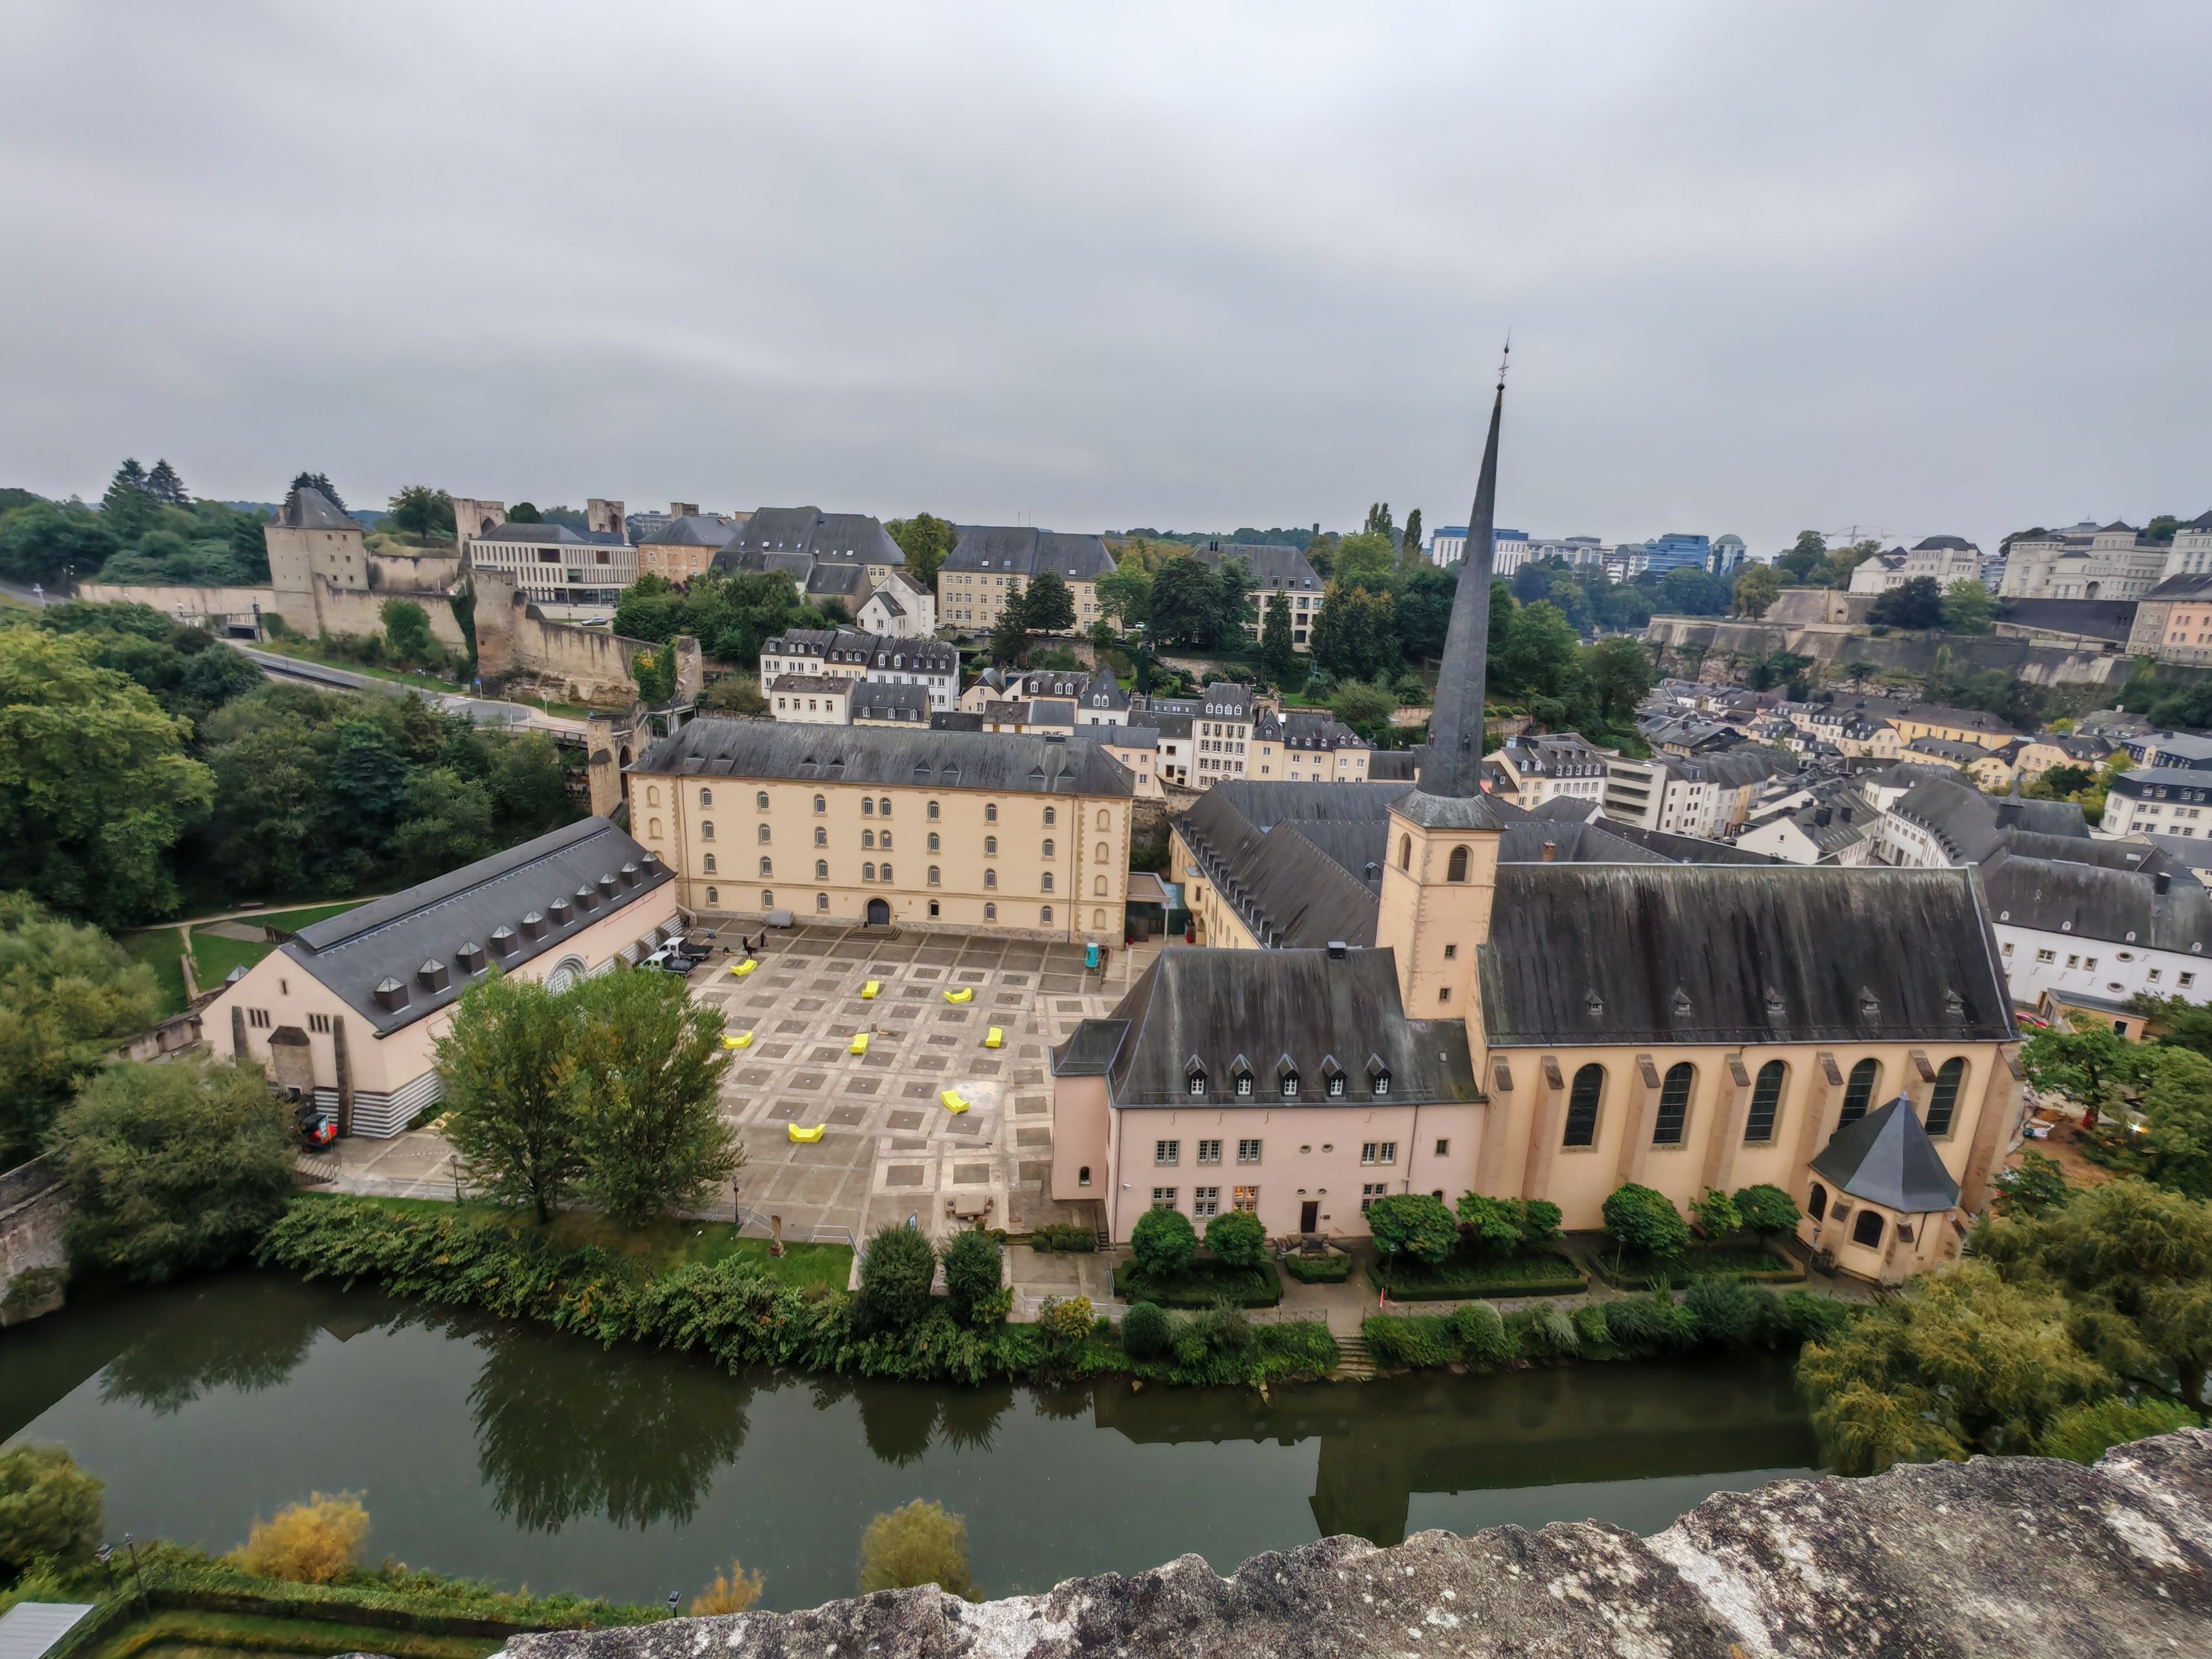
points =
(1203, 1284)
(1317, 1269)
(1482, 1333)
(1645, 1221)
(1415, 1224)
(1543, 1272)
(1145, 1332)
(1540, 1221)
(1766, 1209)
(1163, 1242)
(894, 1276)
(1064, 1236)
(1236, 1239)
(971, 1277)
(1716, 1214)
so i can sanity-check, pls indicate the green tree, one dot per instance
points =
(1125, 592)
(50, 1512)
(1145, 1330)
(128, 508)
(655, 674)
(1716, 1214)
(926, 541)
(1646, 1222)
(1279, 657)
(320, 482)
(68, 995)
(422, 513)
(2037, 1185)
(652, 1063)
(2090, 1066)
(1366, 708)
(1415, 1224)
(1368, 560)
(734, 694)
(1423, 603)
(1236, 1239)
(1409, 545)
(163, 484)
(973, 1269)
(1689, 591)
(2175, 1145)
(407, 633)
(1540, 655)
(1756, 589)
(512, 1095)
(918, 1544)
(1355, 633)
(1766, 1209)
(1805, 558)
(42, 543)
(896, 1271)
(1618, 674)
(1917, 602)
(95, 787)
(445, 820)
(1162, 1243)
(1048, 606)
(172, 1169)
(1858, 671)
(524, 513)
(1494, 1225)
(1966, 607)
(1185, 604)
(1010, 635)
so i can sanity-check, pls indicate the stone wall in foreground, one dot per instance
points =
(2024, 1556)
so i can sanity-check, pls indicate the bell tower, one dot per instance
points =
(1441, 872)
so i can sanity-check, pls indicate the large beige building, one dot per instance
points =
(347, 1012)
(1551, 1029)
(991, 561)
(959, 830)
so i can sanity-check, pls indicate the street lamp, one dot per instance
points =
(137, 1572)
(674, 1596)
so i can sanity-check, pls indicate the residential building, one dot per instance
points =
(1544, 1029)
(679, 548)
(1626, 562)
(643, 526)
(2173, 621)
(1308, 748)
(1275, 570)
(880, 702)
(1024, 836)
(1053, 715)
(1709, 796)
(2097, 931)
(2190, 555)
(1943, 822)
(1178, 746)
(570, 576)
(2083, 562)
(2169, 800)
(1909, 721)
(1536, 769)
(995, 685)
(2038, 754)
(1137, 749)
(2189, 751)
(1103, 701)
(1992, 769)
(991, 561)
(901, 607)
(1222, 717)
(1942, 559)
(849, 653)
(830, 556)
(1835, 825)
(346, 1013)
(810, 699)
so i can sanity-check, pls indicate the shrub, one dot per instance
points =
(2086, 1432)
(1064, 1326)
(1318, 1269)
(1645, 1324)
(1491, 1224)
(1728, 1313)
(1145, 1330)
(1236, 1239)
(1803, 1317)
(1766, 1209)
(1400, 1342)
(309, 1543)
(1590, 1326)
(1064, 1236)
(173, 1168)
(1547, 1332)
(894, 1276)
(730, 1592)
(1540, 1221)
(1163, 1242)
(1482, 1333)
(971, 1277)
(50, 1510)
(1716, 1214)
(1415, 1224)
(1646, 1221)
(918, 1544)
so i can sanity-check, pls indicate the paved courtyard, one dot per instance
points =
(890, 1148)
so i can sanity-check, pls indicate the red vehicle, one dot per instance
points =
(317, 1128)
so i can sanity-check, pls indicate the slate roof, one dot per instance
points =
(1299, 729)
(1274, 568)
(880, 699)
(1683, 849)
(1218, 1006)
(1023, 550)
(876, 651)
(1970, 825)
(1944, 543)
(394, 937)
(1105, 692)
(1595, 953)
(308, 508)
(693, 530)
(552, 535)
(844, 537)
(1885, 1158)
(936, 759)
(2091, 901)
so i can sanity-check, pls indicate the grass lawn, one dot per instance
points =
(188, 1633)
(1528, 1273)
(160, 949)
(664, 1243)
(1753, 1261)
(1202, 1283)
(213, 958)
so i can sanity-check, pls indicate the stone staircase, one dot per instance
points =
(1353, 1363)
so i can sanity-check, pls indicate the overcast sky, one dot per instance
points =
(1907, 267)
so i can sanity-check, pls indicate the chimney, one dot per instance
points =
(1551, 851)
(1336, 950)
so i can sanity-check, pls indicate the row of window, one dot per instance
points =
(870, 807)
(822, 903)
(1333, 1085)
(1205, 1201)
(1670, 1128)
(1866, 1230)
(1168, 1154)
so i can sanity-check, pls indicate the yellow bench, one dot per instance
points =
(860, 1043)
(994, 1038)
(737, 1039)
(965, 993)
(952, 1101)
(868, 991)
(806, 1137)
(745, 967)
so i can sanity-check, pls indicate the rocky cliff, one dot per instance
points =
(2022, 1557)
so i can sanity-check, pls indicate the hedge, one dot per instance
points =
(1064, 1236)
(1536, 1273)
(1201, 1285)
(1318, 1269)
(1753, 1262)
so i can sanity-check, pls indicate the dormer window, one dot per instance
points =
(1378, 1075)
(1195, 1076)
(1244, 1081)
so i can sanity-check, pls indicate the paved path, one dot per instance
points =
(252, 913)
(484, 711)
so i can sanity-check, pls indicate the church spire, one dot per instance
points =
(1454, 766)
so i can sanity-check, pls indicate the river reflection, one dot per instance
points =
(521, 1454)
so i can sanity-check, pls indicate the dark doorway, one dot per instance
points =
(1309, 1215)
(879, 913)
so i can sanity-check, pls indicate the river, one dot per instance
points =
(519, 1456)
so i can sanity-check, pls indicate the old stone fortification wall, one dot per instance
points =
(514, 638)
(361, 610)
(327, 607)
(2024, 1556)
(33, 1205)
(414, 573)
(195, 602)
(1829, 644)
